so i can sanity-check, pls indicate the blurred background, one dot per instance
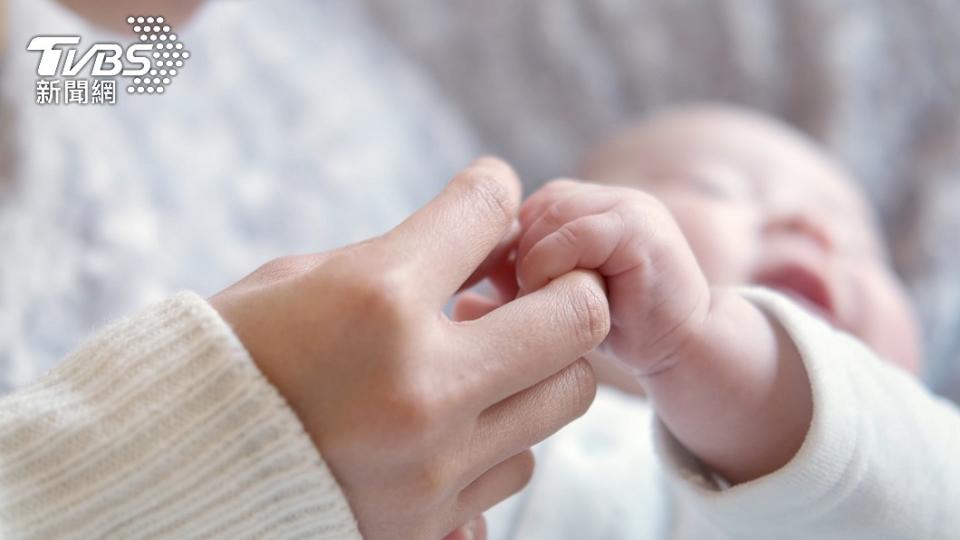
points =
(302, 125)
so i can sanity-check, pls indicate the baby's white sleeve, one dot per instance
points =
(881, 458)
(162, 426)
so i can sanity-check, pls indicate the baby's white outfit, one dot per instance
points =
(881, 460)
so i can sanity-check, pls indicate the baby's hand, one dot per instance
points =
(725, 379)
(658, 295)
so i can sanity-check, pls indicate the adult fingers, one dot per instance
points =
(526, 418)
(586, 242)
(498, 483)
(452, 235)
(504, 278)
(533, 337)
(500, 266)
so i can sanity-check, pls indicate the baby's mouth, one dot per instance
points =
(804, 285)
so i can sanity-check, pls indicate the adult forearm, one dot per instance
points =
(161, 425)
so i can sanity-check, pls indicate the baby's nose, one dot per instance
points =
(795, 223)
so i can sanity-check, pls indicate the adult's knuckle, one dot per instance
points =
(526, 463)
(280, 267)
(582, 383)
(433, 479)
(384, 296)
(520, 472)
(489, 193)
(591, 312)
(412, 408)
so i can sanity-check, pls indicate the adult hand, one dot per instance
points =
(424, 421)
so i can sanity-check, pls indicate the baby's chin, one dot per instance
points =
(814, 309)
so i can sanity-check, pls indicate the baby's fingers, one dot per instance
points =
(562, 210)
(551, 192)
(587, 242)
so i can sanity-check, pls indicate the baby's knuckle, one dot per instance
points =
(569, 235)
(640, 202)
(653, 208)
(559, 184)
(638, 196)
(555, 213)
(652, 225)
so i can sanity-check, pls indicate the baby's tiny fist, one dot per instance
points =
(658, 294)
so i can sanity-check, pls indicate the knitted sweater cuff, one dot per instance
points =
(162, 425)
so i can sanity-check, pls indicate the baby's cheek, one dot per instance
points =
(885, 320)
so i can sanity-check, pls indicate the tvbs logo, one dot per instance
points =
(149, 64)
(108, 59)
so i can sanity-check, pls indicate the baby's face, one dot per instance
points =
(761, 205)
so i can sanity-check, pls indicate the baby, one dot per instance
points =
(753, 305)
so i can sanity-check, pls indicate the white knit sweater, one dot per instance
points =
(162, 426)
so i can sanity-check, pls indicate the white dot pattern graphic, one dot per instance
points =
(167, 53)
